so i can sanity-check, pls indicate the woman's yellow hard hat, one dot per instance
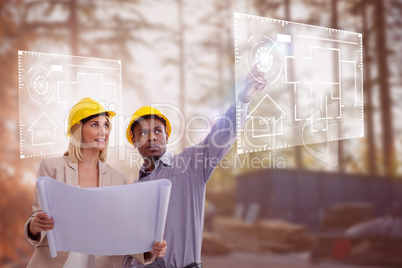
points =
(144, 111)
(83, 109)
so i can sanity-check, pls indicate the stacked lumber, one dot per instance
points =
(340, 217)
(294, 236)
(214, 244)
(265, 236)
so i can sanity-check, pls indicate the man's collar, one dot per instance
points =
(166, 159)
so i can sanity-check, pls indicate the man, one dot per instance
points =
(149, 131)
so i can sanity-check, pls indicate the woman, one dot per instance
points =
(83, 165)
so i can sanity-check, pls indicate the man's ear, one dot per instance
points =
(167, 137)
(133, 141)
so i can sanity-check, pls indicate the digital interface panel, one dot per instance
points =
(314, 91)
(49, 85)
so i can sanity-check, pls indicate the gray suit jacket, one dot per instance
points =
(66, 171)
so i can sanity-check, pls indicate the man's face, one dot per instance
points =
(150, 138)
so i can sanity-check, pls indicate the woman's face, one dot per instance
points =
(95, 133)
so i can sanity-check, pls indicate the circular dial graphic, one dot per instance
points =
(40, 86)
(264, 59)
(266, 56)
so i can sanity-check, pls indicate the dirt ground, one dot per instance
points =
(238, 259)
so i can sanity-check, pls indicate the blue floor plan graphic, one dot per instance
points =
(49, 85)
(314, 91)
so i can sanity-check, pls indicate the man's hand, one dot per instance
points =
(255, 82)
(40, 223)
(160, 248)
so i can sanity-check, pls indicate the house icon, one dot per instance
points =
(43, 131)
(266, 118)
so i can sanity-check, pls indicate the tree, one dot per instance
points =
(385, 98)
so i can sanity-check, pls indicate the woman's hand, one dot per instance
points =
(160, 248)
(40, 223)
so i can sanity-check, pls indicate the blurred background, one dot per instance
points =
(294, 211)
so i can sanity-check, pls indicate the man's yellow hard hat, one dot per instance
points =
(144, 111)
(83, 109)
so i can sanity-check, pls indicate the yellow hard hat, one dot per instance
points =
(83, 109)
(144, 111)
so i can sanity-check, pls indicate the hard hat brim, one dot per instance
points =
(135, 118)
(110, 114)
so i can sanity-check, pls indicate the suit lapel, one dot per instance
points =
(104, 176)
(72, 173)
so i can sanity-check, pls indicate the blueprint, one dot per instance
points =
(117, 220)
(314, 91)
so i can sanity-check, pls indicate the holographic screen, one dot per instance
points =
(315, 83)
(49, 85)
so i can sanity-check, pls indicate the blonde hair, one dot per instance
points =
(75, 146)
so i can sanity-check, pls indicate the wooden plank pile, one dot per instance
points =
(265, 236)
(214, 244)
(340, 217)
